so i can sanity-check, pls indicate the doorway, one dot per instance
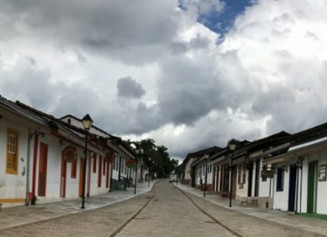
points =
(292, 188)
(312, 187)
(43, 164)
(257, 178)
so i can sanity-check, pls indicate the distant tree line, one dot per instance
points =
(155, 157)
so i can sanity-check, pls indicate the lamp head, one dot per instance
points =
(87, 122)
(232, 144)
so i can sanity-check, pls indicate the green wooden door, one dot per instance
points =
(312, 187)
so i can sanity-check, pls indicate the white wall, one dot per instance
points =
(281, 197)
(54, 165)
(187, 174)
(264, 186)
(322, 187)
(242, 192)
(55, 148)
(13, 185)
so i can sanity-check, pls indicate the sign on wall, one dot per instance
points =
(109, 157)
(70, 154)
(131, 163)
(267, 174)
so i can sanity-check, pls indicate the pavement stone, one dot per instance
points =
(170, 213)
(288, 220)
(22, 215)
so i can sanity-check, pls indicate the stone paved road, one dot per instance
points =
(98, 222)
(167, 212)
(246, 225)
(172, 214)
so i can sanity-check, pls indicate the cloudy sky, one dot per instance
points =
(188, 73)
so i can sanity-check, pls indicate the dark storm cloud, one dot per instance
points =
(28, 81)
(190, 88)
(129, 88)
(118, 29)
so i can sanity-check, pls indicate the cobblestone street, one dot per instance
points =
(171, 213)
(166, 211)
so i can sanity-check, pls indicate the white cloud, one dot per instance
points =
(267, 75)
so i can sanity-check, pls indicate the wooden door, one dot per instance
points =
(257, 178)
(81, 176)
(292, 188)
(312, 187)
(43, 167)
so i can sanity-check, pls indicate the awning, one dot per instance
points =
(298, 150)
(307, 144)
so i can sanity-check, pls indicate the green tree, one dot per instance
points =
(156, 158)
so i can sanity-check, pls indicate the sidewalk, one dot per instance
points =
(23, 215)
(288, 219)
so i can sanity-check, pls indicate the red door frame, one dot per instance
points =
(100, 172)
(43, 168)
(36, 142)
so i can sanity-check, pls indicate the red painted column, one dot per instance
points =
(36, 145)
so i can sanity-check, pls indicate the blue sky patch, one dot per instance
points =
(221, 22)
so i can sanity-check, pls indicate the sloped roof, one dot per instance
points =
(198, 154)
(74, 130)
(263, 143)
(18, 110)
(93, 126)
(225, 150)
(310, 134)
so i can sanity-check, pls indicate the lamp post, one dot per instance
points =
(149, 171)
(138, 152)
(87, 123)
(205, 177)
(231, 147)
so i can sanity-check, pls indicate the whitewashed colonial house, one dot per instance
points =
(203, 168)
(252, 183)
(186, 173)
(300, 183)
(42, 157)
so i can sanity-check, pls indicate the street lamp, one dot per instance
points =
(231, 147)
(138, 152)
(87, 124)
(205, 177)
(149, 171)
